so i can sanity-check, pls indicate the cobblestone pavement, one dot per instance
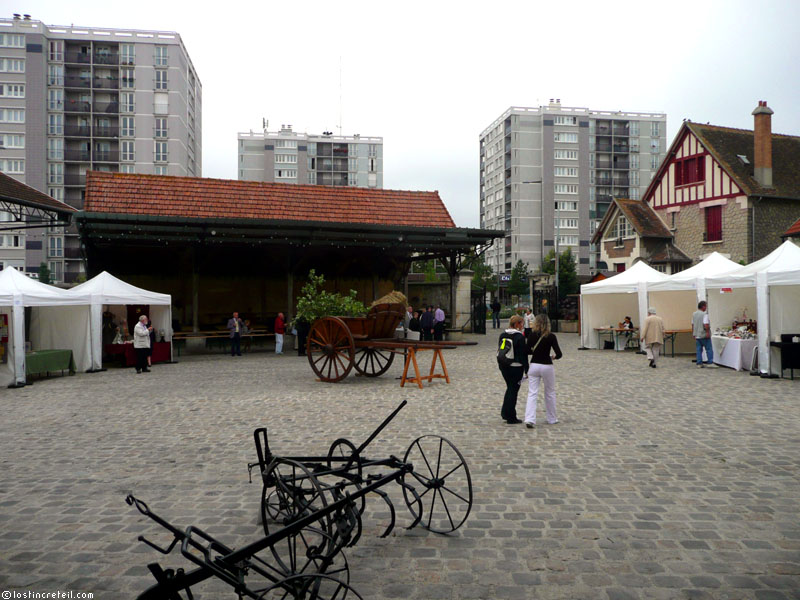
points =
(657, 483)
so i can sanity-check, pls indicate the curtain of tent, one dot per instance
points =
(63, 327)
(7, 368)
(603, 310)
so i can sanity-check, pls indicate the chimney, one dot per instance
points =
(762, 156)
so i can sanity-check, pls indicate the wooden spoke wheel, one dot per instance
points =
(373, 362)
(330, 349)
(443, 483)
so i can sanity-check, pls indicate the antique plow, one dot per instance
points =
(311, 509)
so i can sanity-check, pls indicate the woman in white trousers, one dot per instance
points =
(540, 344)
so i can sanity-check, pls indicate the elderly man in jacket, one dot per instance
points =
(141, 343)
(236, 328)
(652, 335)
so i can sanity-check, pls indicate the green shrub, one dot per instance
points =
(315, 302)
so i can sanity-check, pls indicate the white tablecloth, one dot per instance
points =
(733, 353)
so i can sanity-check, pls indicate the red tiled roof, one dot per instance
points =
(205, 198)
(794, 230)
(11, 189)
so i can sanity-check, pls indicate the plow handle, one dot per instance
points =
(380, 427)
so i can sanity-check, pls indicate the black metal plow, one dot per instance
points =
(311, 509)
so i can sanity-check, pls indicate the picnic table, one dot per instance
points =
(670, 334)
(614, 335)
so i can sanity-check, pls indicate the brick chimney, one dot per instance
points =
(762, 128)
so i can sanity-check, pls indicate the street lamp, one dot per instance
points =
(541, 236)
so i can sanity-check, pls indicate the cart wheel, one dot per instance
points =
(444, 476)
(310, 587)
(306, 552)
(346, 454)
(291, 492)
(330, 349)
(373, 362)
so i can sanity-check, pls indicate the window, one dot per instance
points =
(55, 174)
(566, 155)
(372, 165)
(352, 150)
(161, 152)
(56, 50)
(312, 177)
(634, 128)
(58, 194)
(56, 247)
(571, 138)
(312, 163)
(55, 148)
(127, 150)
(11, 140)
(128, 126)
(352, 179)
(126, 78)
(161, 103)
(655, 129)
(373, 150)
(127, 168)
(126, 102)
(655, 145)
(161, 79)
(12, 90)
(161, 56)
(161, 127)
(12, 65)
(160, 169)
(592, 194)
(654, 162)
(591, 161)
(55, 124)
(565, 120)
(713, 224)
(56, 270)
(12, 115)
(571, 206)
(55, 99)
(633, 178)
(289, 144)
(634, 161)
(12, 40)
(690, 170)
(126, 54)
(568, 240)
(566, 171)
(622, 228)
(565, 223)
(312, 148)
(352, 164)
(286, 158)
(55, 75)
(12, 166)
(285, 173)
(372, 180)
(563, 188)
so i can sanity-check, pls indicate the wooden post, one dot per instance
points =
(289, 296)
(195, 292)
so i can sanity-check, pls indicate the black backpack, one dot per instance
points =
(505, 350)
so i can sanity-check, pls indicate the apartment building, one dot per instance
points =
(74, 99)
(287, 156)
(548, 174)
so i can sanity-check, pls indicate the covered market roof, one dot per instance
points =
(27, 204)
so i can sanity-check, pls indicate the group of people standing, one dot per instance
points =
(541, 345)
(426, 325)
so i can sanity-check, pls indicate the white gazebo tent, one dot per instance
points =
(58, 321)
(606, 302)
(769, 288)
(676, 298)
(105, 289)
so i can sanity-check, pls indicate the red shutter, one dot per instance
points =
(701, 168)
(714, 223)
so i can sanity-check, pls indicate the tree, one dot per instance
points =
(518, 284)
(44, 273)
(484, 276)
(567, 272)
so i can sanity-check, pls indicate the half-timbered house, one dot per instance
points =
(728, 190)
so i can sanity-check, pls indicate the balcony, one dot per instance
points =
(72, 81)
(72, 253)
(106, 59)
(106, 131)
(106, 107)
(603, 148)
(106, 83)
(104, 156)
(74, 179)
(603, 181)
(620, 148)
(77, 130)
(77, 155)
(77, 106)
(621, 163)
(81, 58)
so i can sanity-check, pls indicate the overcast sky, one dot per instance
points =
(430, 76)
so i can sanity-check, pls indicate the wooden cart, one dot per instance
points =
(336, 345)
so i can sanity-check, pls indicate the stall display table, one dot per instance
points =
(733, 353)
(618, 336)
(789, 353)
(49, 361)
(127, 353)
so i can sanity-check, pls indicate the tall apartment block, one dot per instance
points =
(552, 171)
(74, 99)
(286, 156)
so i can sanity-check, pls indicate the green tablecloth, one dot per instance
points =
(49, 361)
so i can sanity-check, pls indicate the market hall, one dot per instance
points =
(221, 245)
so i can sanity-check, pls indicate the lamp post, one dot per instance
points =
(541, 234)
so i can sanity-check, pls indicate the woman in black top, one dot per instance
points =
(540, 344)
(514, 372)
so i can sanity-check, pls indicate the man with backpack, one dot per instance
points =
(512, 358)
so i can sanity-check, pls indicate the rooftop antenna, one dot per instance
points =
(340, 94)
(264, 124)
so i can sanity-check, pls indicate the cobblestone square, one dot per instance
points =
(660, 483)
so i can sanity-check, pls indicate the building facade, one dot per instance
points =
(286, 156)
(75, 99)
(551, 172)
(726, 190)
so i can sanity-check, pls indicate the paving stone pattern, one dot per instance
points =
(660, 483)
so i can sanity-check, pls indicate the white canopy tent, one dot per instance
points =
(58, 321)
(105, 289)
(676, 298)
(606, 302)
(769, 288)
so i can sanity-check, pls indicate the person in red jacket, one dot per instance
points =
(280, 329)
